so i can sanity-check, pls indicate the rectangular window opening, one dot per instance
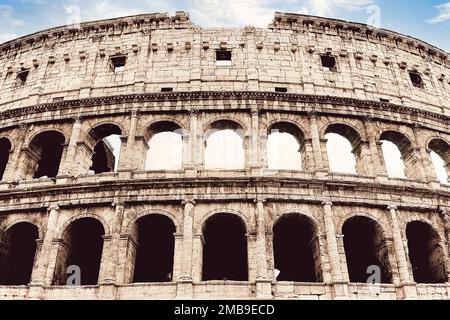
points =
(281, 89)
(23, 75)
(118, 63)
(166, 89)
(384, 100)
(223, 58)
(328, 62)
(416, 79)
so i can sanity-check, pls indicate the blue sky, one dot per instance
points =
(425, 19)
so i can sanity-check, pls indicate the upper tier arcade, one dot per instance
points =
(155, 52)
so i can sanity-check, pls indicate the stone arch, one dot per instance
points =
(44, 154)
(225, 255)
(342, 134)
(287, 139)
(17, 252)
(103, 156)
(105, 225)
(5, 150)
(296, 248)
(39, 226)
(426, 254)
(365, 246)
(225, 145)
(81, 245)
(240, 124)
(166, 142)
(441, 148)
(118, 127)
(315, 221)
(224, 210)
(175, 123)
(406, 149)
(144, 213)
(155, 247)
(341, 222)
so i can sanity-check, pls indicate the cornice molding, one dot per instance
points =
(197, 96)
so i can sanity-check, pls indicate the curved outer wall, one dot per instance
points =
(71, 88)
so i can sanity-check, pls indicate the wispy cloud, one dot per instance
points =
(7, 36)
(327, 7)
(444, 13)
(7, 17)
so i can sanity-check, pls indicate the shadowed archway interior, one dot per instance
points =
(426, 255)
(17, 252)
(365, 246)
(155, 249)
(296, 249)
(225, 248)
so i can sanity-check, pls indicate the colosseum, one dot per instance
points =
(131, 226)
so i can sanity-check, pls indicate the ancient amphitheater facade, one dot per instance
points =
(197, 232)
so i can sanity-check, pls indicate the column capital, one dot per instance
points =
(188, 201)
(77, 119)
(254, 110)
(53, 206)
(312, 114)
(326, 203)
(392, 207)
(118, 203)
(193, 112)
(259, 200)
(134, 113)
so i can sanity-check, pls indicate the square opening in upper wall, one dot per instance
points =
(328, 62)
(223, 58)
(118, 63)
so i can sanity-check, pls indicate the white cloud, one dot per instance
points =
(107, 9)
(326, 7)
(7, 36)
(7, 17)
(257, 13)
(444, 13)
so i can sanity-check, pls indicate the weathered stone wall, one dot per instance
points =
(171, 52)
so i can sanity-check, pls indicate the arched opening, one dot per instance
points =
(440, 157)
(107, 143)
(425, 253)
(154, 236)
(284, 146)
(343, 150)
(82, 246)
(5, 148)
(225, 248)
(296, 249)
(397, 154)
(17, 252)
(165, 147)
(45, 152)
(365, 246)
(224, 146)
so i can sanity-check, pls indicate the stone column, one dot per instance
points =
(255, 161)
(129, 159)
(364, 160)
(193, 160)
(315, 141)
(332, 246)
(409, 290)
(339, 285)
(188, 236)
(445, 216)
(69, 165)
(12, 171)
(263, 282)
(112, 261)
(184, 287)
(377, 168)
(42, 261)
